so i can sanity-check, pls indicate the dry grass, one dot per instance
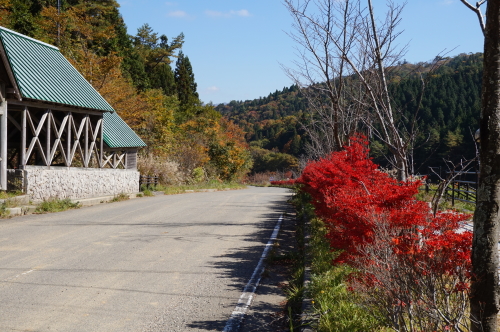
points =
(168, 172)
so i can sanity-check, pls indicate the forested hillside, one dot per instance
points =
(188, 141)
(447, 118)
(151, 83)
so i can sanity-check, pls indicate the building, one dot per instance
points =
(58, 136)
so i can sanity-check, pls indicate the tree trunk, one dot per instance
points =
(485, 292)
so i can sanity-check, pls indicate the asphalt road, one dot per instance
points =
(165, 263)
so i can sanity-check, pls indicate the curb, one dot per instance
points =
(26, 208)
(30, 209)
(201, 191)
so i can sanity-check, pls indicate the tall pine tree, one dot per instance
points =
(162, 77)
(184, 80)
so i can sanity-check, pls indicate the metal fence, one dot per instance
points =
(463, 187)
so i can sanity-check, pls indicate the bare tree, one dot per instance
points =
(323, 37)
(344, 56)
(478, 12)
(485, 290)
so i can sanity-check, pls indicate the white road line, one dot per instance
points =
(18, 275)
(234, 322)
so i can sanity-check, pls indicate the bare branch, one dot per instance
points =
(478, 12)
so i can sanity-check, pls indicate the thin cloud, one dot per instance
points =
(168, 3)
(178, 13)
(213, 89)
(231, 13)
(242, 12)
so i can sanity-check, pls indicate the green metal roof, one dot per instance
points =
(117, 134)
(43, 73)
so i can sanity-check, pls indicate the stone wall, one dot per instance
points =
(40, 182)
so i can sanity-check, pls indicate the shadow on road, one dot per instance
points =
(239, 264)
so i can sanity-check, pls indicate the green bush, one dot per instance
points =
(198, 175)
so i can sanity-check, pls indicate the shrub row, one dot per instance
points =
(411, 267)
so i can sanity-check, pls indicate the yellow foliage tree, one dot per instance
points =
(5, 7)
(157, 121)
(220, 144)
(197, 137)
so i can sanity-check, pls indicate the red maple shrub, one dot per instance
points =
(404, 254)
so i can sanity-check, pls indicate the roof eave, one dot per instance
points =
(55, 106)
(8, 68)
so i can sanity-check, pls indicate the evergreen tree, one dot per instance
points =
(154, 49)
(23, 16)
(148, 64)
(133, 68)
(184, 80)
(162, 77)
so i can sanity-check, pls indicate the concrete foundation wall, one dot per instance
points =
(40, 182)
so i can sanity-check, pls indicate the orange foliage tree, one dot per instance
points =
(193, 138)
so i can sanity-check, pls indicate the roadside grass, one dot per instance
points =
(335, 308)
(180, 189)
(120, 197)
(9, 194)
(426, 195)
(445, 203)
(459, 206)
(147, 192)
(295, 259)
(3, 210)
(10, 203)
(288, 258)
(56, 205)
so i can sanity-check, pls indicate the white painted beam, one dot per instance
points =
(3, 139)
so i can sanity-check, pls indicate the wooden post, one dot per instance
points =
(47, 154)
(86, 153)
(23, 138)
(68, 140)
(101, 164)
(3, 138)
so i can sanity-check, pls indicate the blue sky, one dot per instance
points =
(236, 46)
